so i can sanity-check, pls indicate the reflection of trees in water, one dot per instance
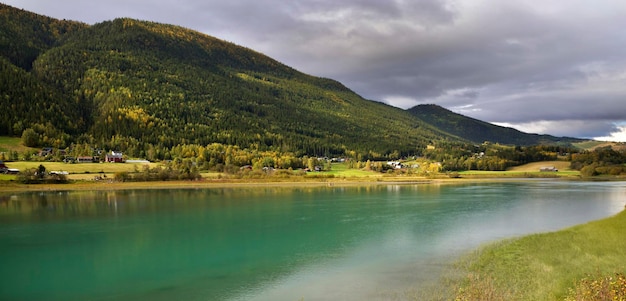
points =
(43, 200)
(111, 198)
(120, 202)
(4, 199)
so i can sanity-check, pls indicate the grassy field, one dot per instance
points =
(546, 266)
(518, 174)
(591, 145)
(528, 170)
(4, 177)
(342, 170)
(534, 166)
(81, 171)
(87, 171)
(12, 144)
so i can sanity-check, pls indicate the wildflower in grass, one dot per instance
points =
(611, 288)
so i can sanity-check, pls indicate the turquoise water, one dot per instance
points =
(270, 243)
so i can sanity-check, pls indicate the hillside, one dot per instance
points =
(126, 82)
(146, 88)
(479, 131)
(25, 100)
(593, 145)
(25, 35)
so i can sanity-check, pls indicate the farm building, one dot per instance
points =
(548, 169)
(114, 157)
(84, 159)
(6, 169)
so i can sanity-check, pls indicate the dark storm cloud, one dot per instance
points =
(551, 66)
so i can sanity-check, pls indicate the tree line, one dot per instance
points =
(600, 161)
(492, 157)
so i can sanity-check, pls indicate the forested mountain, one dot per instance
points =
(479, 131)
(25, 35)
(167, 85)
(136, 86)
(25, 100)
(142, 83)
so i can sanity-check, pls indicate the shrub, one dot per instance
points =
(30, 138)
(599, 289)
(454, 175)
(122, 176)
(28, 176)
(39, 176)
(589, 171)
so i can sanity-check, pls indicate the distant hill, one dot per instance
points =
(479, 131)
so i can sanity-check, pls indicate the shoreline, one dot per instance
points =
(527, 268)
(13, 187)
(106, 186)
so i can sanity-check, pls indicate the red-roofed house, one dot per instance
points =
(114, 157)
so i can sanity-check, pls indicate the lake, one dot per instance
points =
(271, 243)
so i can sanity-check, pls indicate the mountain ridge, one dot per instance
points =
(479, 131)
(136, 85)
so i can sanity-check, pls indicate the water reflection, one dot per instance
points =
(269, 243)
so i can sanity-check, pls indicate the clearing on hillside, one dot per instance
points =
(12, 144)
(535, 166)
(592, 144)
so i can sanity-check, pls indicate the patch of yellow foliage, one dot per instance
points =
(599, 289)
(138, 115)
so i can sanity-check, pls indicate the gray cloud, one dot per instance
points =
(521, 63)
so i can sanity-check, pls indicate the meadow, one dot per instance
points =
(585, 262)
(12, 144)
(81, 168)
(338, 171)
(79, 171)
(527, 171)
(343, 171)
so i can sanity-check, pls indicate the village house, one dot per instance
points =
(114, 157)
(46, 151)
(548, 169)
(84, 159)
(395, 164)
(7, 170)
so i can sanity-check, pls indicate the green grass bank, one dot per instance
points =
(570, 264)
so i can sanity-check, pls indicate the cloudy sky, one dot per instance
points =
(556, 67)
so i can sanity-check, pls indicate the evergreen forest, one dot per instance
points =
(161, 92)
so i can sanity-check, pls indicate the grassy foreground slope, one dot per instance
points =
(547, 266)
